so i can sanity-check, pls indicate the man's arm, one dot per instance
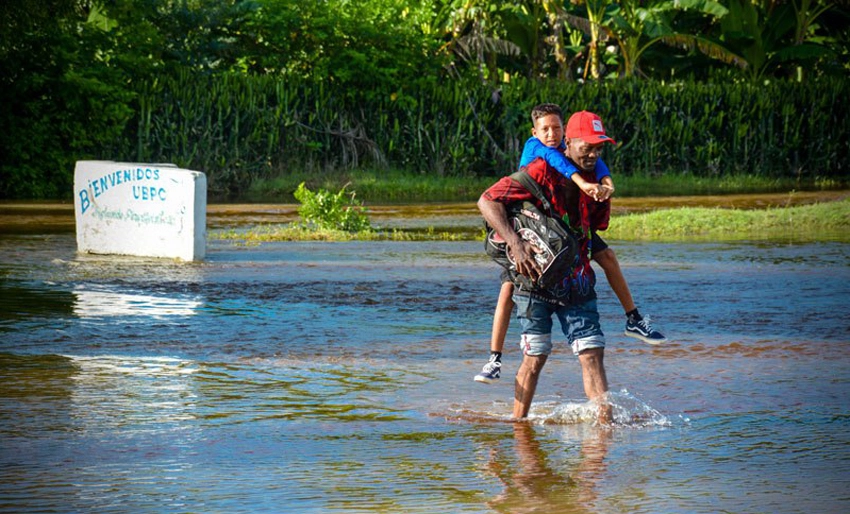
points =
(496, 216)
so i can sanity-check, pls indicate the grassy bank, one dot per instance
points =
(388, 186)
(295, 232)
(828, 221)
(374, 187)
(817, 222)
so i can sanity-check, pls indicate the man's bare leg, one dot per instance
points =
(596, 381)
(526, 383)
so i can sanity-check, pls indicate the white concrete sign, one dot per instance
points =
(148, 210)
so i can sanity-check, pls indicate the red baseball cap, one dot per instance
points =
(588, 127)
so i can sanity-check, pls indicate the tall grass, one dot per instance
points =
(374, 186)
(398, 186)
(244, 129)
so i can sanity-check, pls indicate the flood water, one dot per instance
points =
(337, 377)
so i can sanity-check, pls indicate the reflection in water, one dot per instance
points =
(20, 301)
(260, 390)
(536, 485)
(91, 397)
(103, 303)
(306, 382)
(95, 394)
(145, 393)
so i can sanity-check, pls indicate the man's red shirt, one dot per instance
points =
(568, 201)
(566, 197)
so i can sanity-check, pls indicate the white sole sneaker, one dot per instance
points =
(644, 338)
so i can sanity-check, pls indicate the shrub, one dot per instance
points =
(331, 211)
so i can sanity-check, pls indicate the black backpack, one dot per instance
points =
(547, 231)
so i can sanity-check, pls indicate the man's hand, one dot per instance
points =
(523, 255)
(520, 250)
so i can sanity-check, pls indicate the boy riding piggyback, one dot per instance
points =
(584, 131)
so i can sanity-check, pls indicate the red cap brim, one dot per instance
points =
(596, 139)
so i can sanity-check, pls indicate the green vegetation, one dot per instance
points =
(374, 186)
(243, 130)
(327, 216)
(818, 222)
(248, 91)
(297, 232)
(323, 210)
(828, 221)
(396, 186)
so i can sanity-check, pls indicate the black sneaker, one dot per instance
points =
(643, 330)
(491, 372)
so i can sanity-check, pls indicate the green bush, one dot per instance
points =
(62, 110)
(331, 211)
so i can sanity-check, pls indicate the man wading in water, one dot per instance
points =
(573, 298)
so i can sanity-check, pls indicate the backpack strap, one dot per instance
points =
(533, 187)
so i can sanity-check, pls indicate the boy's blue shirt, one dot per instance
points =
(535, 148)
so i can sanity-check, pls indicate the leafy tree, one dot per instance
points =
(150, 37)
(637, 26)
(474, 33)
(365, 45)
(595, 12)
(60, 103)
(528, 38)
(772, 38)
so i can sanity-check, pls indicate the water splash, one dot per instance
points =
(628, 411)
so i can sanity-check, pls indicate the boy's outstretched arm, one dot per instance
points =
(591, 189)
(534, 148)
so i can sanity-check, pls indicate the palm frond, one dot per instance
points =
(577, 22)
(707, 47)
(470, 46)
(804, 52)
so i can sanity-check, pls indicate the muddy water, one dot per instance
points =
(337, 377)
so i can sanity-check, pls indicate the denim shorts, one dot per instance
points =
(580, 323)
(597, 244)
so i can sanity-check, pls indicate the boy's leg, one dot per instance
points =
(502, 317)
(501, 320)
(636, 325)
(607, 260)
